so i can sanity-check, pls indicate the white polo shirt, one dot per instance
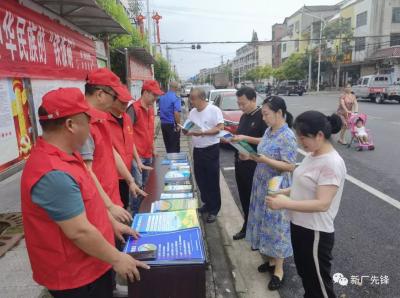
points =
(207, 119)
(326, 169)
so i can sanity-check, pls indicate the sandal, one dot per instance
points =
(341, 142)
(275, 283)
(266, 267)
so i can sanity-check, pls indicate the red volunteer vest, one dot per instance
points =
(122, 138)
(143, 129)
(57, 263)
(103, 164)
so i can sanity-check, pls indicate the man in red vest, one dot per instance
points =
(142, 115)
(122, 138)
(102, 88)
(69, 232)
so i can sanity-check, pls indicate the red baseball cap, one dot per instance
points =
(123, 94)
(63, 102)
(152, 86)
(105, 77)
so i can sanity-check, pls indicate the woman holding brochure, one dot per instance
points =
(269, 230)
(314, 202)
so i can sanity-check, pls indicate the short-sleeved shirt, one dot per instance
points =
(207, 119)
(87, 150)
(58, 194)
(169, 103)
(252, 125)
(326, 169)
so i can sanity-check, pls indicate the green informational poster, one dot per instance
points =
(101, 62)
(173, 205)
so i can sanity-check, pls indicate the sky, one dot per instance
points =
(218, 20)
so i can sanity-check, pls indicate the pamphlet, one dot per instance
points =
(179, 195)
(173, 248)
(173, 205)
(165, 221)
(178, 188)
(174, 176)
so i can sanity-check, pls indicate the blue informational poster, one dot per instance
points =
(173, 248)
(165, 221)
(177, 161)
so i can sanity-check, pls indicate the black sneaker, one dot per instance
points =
(266, 267)
(239, 235)
(202, 209)
(211, 218)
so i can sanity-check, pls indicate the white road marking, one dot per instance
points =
(395, 123)
(374, 117)
(367, 188)
(229, 168)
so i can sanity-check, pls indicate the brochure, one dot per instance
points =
(179, 195)
(167, 162)
(241, 146)
(173, 205)
(173, 248)
(174, 176)
(190, 126)
(165, 221)
(178, 188)
(177, 156)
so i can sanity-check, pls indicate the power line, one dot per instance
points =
(269, 41)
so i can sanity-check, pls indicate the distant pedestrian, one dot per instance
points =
(314, 201)
(347, 105)
(268, 230)
(251, 129)
(170, 117)
(206, 151)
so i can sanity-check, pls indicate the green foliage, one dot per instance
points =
(258, 73)
(293, 68)
(117, 11)
(133, 39)
(162, 70)
(279, 74)
(341, 28)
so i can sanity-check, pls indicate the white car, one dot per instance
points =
(212, 94)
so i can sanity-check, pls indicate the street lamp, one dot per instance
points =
(321, 28)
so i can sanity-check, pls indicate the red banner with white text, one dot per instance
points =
(32, 45)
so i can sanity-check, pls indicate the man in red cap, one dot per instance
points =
(142, 115)
(69, 232)
(102, 88)
(122, 138)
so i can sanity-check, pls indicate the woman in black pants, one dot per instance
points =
(314, 202)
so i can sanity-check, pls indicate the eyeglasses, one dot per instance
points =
(114, 96)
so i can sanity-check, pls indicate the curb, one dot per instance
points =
(243, 262)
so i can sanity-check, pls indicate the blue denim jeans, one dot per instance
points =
(141, 180)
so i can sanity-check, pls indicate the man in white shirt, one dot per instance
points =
(206, 151)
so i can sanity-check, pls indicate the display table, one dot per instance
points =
(166, 281)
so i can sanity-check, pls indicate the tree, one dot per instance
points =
(293, 68)
(279, 74)
(162, 70)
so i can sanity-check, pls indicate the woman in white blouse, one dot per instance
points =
(314, 202)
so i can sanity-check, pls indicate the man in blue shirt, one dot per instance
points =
(170, 108)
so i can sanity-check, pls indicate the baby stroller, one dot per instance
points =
(354, 141)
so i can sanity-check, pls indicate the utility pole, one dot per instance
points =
(148, 25)
(310, 58)
(319, 54)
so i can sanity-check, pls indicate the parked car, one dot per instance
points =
(393, 92)
(289, 87)
(212, 94)
(373, 87)
(186, 90)
(227, 102)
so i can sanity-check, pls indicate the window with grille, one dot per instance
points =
(394, 40)
(396, 15)
(361, 19)
(359, 44)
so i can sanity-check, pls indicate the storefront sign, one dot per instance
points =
(32, 45)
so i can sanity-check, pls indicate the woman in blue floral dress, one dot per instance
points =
(269, 230)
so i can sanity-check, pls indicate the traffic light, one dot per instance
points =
(193, 47)
(198, 47)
